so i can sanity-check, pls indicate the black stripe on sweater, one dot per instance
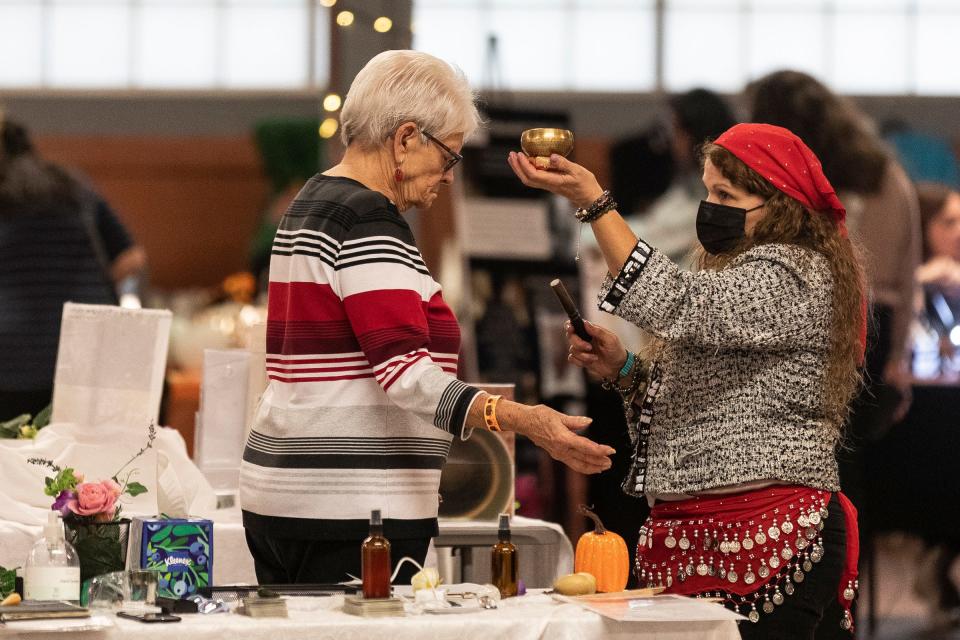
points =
(378, 460)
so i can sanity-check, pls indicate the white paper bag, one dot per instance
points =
(110, 366)
(221, 424)
(233, 383)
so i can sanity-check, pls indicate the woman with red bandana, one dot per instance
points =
(756, 357)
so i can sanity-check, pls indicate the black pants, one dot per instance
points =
(619, 512)
(292, 561)
(813, 611)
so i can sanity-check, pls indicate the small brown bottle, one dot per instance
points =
(504, 561)
(375, 560)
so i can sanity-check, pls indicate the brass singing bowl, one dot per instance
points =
(540, 143)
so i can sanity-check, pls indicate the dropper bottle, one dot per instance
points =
(375, 560)
(504, 561)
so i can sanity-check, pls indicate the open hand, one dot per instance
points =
(564, 178)
(552, 431)
(603, 357)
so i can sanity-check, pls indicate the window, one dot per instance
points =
(855, 46)
(163, 44)
(545, 45)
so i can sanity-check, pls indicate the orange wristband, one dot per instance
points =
(490, 413)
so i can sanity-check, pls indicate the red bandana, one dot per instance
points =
(791, 167)
(786, 162)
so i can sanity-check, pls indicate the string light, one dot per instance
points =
(331, 102)
(327, 3)
(382, 24)
(345, 18)
(329, 127)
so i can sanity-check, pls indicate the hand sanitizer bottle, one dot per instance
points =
(52, 570)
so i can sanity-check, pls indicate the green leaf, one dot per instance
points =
(8, 578)
(43, 418)
(64, 480)
(99, 550)
(160, 535)
(135, 489)
(184, 530)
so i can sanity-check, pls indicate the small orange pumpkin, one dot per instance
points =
(604, 554)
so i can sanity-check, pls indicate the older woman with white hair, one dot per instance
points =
(363, 400)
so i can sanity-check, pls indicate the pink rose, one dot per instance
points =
(95, 498)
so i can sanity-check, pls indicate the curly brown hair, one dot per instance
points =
(786, 221)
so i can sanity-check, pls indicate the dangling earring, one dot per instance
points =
(398, 175)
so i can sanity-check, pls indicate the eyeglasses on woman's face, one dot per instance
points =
(453, 158)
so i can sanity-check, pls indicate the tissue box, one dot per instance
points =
(180, 550)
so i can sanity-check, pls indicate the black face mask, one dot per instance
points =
(719, 227)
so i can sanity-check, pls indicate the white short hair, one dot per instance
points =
(407, 86)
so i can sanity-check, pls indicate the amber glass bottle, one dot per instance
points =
(503, 560)
(375, 560)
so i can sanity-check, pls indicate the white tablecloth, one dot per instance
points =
(532, 617)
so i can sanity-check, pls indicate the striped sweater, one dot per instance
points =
(362, 401)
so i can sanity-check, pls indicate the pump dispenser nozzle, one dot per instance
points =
(53, 529)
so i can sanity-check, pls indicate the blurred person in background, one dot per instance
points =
(363, 399)
(59, 242)
(939, 277)
(697, 116)
(940, 271)
(884, 219)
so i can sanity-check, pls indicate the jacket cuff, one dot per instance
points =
(628, 275)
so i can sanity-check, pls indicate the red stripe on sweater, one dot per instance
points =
(316, 369)
(397, 373)
(309, 301)
(307, 345)
(291, 379)
(313, 360)
(387, 322)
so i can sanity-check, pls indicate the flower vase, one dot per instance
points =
(101, 546)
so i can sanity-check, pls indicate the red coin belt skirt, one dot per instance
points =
(748, 549)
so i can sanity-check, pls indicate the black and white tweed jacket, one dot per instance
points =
(742, 373)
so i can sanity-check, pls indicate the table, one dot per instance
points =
(532, 617)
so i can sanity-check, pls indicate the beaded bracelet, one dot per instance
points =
(490, 413)
(628, 391)
(625, 369)
(600, 206)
